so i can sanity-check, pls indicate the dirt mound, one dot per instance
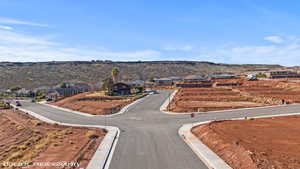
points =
(257, 144)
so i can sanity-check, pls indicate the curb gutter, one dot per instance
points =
(211, 160)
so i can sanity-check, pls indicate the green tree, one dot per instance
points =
(107, 84)
(114, 74)
(261, 75)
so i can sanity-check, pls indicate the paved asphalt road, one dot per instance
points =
(149, 138)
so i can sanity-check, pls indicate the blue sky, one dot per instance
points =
(231, 31)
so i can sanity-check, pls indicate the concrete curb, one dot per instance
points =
(123, 110)
(164, 106)
(103, 155)
(211, 159)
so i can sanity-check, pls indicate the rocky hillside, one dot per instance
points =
(32, 75)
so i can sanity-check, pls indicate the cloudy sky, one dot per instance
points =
(235, 31)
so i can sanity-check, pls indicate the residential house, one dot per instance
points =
(283, 74)
(163, 82)
(121, 89)
(223, 76)
(81, 87)
(53, 94)
(70, 89)
(66, 92)
(23, 92)
(194, 81)
(194, 78)
(175, 79)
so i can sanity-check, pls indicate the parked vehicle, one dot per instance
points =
(18, 103)
(49, 100)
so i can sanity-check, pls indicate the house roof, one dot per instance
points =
(138, 82)
(222, 75)
(121, 83)
(121, 86)
(175, 78)
(194, 77)
(164, 78)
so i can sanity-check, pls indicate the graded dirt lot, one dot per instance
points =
(246, 94)
(25, 139)
(210, 99)
(94, 104)
(269, 143)
(273, 91)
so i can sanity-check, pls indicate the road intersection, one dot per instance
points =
(149, 138)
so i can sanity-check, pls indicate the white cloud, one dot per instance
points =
(176, 48)
(287, 53)
(9, 37)
(20, 47)
(16, 46)
(6, 27)
(274, 39)
(12, 21)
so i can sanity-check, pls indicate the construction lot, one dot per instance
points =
(273, 92)
(267, 143)
(28, 141)
(247, 95)
(210, 99)
(96, 103)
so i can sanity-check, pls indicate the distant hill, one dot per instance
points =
(37, 74)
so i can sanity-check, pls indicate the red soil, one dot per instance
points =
(210, 99)
(250, 94)
(278, 93)
(96, 105)
(269, 143)
(26, 139)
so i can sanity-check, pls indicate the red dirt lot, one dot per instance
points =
(249, 94)
(24, 139)
(95, 105)
(269, 143)
(210, 99)
(275, 94)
